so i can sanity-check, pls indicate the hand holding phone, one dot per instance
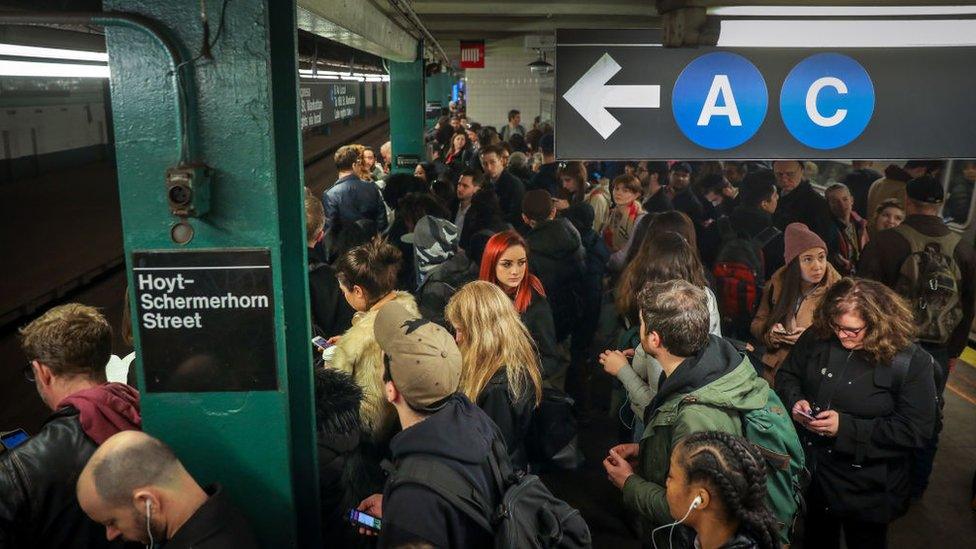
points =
(321, 343)
(362, 520)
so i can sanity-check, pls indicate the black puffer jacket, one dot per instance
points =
(38, 505)
(558, 258)
(863, 472)
(441, 284)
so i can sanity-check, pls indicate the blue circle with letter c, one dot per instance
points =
(719, 100)
(827, 101)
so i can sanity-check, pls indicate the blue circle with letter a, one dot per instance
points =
(719, 100)
(827, 101)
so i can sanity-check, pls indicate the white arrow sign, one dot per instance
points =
(590, 96)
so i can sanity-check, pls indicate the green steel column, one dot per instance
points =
(407, 111)
(260, 445)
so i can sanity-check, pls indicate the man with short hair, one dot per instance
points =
(753, 218)
(136, 487)
(422, 375)
(707, 386)
(682, 197)
(656, 199)
(331, 314)
(558, 258)
(722, 195)
(926, 262)
(351, 200)
(68, 347)
(734, 171)
(514, 125)
(852, 229)
(508, 187)
(799, 202)
(547, 178)
(470, 182)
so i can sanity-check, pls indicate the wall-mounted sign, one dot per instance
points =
(407, 160)
(205, 320)
(620, 95)
(472, 54)
(324, 102)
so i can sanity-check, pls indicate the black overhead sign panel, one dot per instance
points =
(206, 320)
(620, 95)
(324, 102)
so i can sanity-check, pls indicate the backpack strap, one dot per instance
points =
(442, 479)
(766, 236)
(917, 240)
(899, 367)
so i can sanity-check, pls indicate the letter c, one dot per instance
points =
(814, 91)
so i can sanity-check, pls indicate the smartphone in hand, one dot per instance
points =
(362, 520)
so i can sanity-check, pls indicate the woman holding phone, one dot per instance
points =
(792, 295)
(863, 398)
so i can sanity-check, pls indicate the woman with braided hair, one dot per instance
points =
(716, 487)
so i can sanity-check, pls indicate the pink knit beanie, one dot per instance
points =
(799, 238)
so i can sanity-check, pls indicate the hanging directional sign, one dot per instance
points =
(620, 95)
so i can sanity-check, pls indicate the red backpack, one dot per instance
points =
(739, 274)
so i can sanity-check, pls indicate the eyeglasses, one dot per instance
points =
(849, 332)
(29, 371)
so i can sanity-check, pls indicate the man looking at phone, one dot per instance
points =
(67, 348)
(422, 375)
(708, 385)
(136, 487)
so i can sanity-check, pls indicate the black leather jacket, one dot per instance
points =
(38, 505)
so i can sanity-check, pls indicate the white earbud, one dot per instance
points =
(695, 504)
(152, 542)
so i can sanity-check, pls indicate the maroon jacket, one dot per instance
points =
(105, 410)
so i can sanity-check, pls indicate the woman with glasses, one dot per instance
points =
(792, 295)
(863, 398)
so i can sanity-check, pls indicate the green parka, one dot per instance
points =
(706, 392)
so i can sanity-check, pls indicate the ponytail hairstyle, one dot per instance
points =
(736, 472)
(496, 246)
(372, 266)
(494, 338)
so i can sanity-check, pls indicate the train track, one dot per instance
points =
(318, 163)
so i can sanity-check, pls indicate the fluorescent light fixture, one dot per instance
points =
(786, 33)
(14, 50)
(35, 68)
(839, 11)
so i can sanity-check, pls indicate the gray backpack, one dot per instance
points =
(929, 279)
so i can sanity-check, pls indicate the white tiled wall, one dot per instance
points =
(56, 128)
(506, 83)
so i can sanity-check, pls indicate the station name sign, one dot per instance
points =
(205, 320)
(620, 95)
(324, 102)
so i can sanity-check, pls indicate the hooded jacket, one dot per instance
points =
(442, 283)
(558, 258)
(38, 505)
(706, 392)
(460, 435)
(804, 317)
(359, 355)
(892, 185)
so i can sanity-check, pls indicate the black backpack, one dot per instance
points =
(552, 441)
(930, 279)
(526, 516)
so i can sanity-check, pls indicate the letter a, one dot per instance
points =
(720, 84)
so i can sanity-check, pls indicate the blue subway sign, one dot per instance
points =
(622, 96)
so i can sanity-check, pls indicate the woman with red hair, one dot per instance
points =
(505, 263)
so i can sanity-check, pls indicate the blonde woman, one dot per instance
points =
(500, 367)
